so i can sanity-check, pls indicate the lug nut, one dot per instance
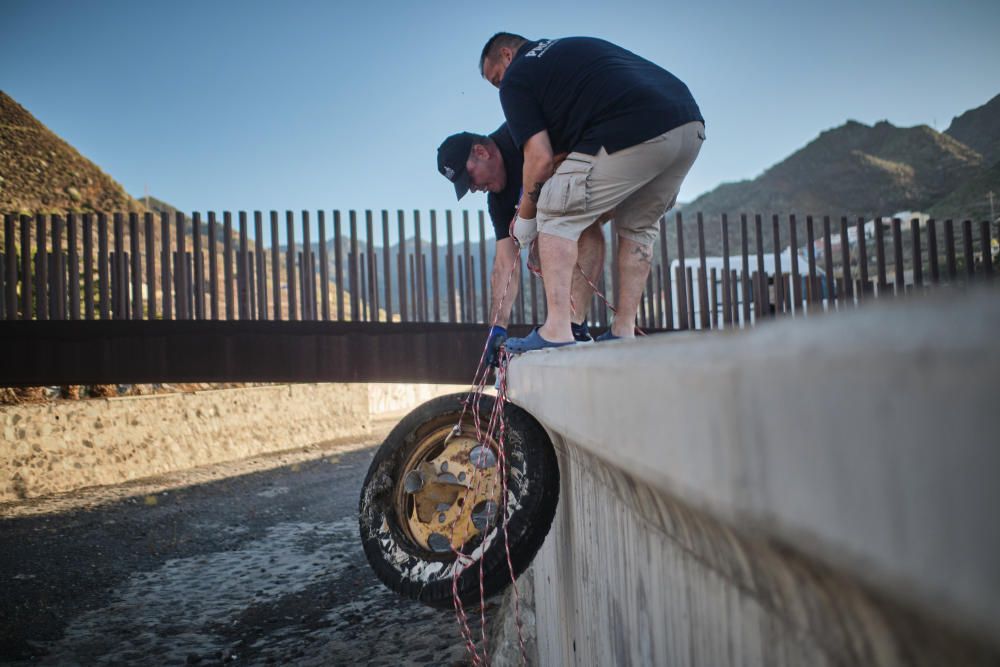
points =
(482, 457)
(438, 543)
(413, 482)
(483, 515)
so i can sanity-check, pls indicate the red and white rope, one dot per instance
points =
(495, 431)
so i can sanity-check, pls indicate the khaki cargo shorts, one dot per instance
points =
(640, 182)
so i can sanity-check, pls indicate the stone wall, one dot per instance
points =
(65, 445)
(387, 399)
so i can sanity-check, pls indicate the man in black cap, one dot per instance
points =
(493, 164)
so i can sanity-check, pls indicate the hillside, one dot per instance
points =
(39, 172)
(861, 170)
(979, 129)
(854, 169)
(972, 198)
(157, 205)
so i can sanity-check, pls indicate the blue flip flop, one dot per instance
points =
(531, 342)
(607, 335)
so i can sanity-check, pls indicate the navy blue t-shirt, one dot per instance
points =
(590, 93)
(503, 204)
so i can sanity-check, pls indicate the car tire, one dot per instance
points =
(414, 510)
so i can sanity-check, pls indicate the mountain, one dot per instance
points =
(157, 205)
(979, 129)
(979, 197)
(39, 172)
(861, 170)
(854, 170)
(972, 199)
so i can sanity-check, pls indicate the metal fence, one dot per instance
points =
(104, 266)
(830, 271)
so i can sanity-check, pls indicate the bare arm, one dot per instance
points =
(539, 166)
(504, 264)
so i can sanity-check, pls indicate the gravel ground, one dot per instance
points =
(264, 567)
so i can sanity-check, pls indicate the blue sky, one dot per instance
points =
(322, 105)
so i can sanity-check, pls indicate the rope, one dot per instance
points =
(494, 431)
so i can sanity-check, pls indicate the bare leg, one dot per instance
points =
(558, 258)
(590, 258)
(634, 262)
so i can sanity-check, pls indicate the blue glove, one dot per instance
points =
(498, 336)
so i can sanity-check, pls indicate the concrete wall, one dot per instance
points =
(65, 445)
(818, 492)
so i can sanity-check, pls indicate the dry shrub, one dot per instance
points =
(19, 395)
(102, 390)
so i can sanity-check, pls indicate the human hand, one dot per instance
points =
(498, 336)
(524, 231)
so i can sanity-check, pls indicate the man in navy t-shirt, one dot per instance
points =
(494, 164)
(632, 131)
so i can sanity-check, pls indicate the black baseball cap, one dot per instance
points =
(453, 153)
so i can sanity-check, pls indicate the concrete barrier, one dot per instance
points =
(64, 445)
(814, 492)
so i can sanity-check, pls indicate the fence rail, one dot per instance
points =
(112, 266)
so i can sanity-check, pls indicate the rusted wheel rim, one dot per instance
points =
(448, 490)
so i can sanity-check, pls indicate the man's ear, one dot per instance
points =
(480, 152)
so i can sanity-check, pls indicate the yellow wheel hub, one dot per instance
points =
(449, 490)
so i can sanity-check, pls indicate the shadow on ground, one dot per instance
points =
(262, 568)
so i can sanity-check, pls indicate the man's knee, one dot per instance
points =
(645, 237)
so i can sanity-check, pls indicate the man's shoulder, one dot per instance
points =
(553, 49)
(502, 135)
(544, 54)
(507, 146)
(521, 67)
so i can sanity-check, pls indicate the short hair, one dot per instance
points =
(497, 42)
